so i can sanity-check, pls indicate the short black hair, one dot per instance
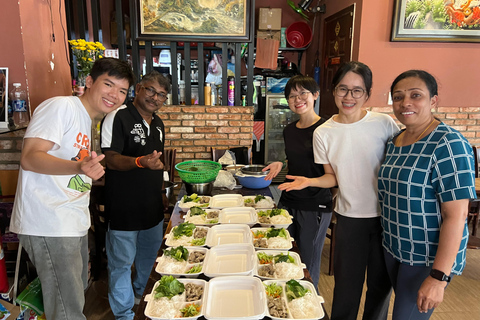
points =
(301, 81)
(426, 77)
(157, 77)
(113, 67)
(356, 67)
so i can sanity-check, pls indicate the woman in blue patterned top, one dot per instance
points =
(424, 185)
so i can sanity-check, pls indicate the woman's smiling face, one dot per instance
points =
(412, 103)
(301, 101)
(348, 105)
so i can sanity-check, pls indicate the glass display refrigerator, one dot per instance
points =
(278, 116)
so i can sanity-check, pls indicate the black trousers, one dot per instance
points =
(358, 250)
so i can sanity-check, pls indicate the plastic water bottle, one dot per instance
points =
(19, 106)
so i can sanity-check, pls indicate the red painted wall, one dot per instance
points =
(29, 52)
(455, 65)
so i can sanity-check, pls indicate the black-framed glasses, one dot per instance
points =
(150, 92)
(303, 96)
(357, 93)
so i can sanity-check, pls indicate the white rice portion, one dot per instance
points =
(200, 219)
(167, 308)
(172, 266)
(285, 270)
(280, 219)
(278, 243)
(306, 307)
(265, 203)
(182, 241)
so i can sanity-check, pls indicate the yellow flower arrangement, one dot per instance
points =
(86, 54)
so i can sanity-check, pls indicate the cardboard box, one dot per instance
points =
(275, 35)
(270, 19)
(14, 310)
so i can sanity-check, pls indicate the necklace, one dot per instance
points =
(421, 134)
(398, 141)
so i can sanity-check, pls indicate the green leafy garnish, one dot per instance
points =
(195, 269)
(196, 211)
(275, 212)
(183, 229)
(294, 290)
(192, 198)
(281, 232)
(248, 200)
(264, 258)
(198, 242)
(168, 287)
(284, 258)
(273, 290)
(258, 234)
(265, 213)
(213, 221)
(190, 310)
(259, 197)
(178, 253)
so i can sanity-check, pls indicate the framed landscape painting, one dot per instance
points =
(436, 21)
(193, 20)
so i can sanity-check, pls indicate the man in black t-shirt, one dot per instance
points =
(132, 139)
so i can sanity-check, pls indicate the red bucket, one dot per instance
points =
(299, 34)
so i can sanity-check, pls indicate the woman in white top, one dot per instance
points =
(351, 147)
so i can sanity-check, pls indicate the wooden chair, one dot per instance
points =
(243, 155)
(169, 158)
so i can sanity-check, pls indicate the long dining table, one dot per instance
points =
(176, 218)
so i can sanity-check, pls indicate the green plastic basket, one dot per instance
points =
(198, 171)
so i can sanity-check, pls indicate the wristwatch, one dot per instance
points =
(439, 275)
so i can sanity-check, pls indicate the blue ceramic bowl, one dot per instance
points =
(253, 182)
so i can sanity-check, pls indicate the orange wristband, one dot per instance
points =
(137, 162)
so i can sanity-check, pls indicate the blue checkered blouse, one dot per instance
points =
(412, 182)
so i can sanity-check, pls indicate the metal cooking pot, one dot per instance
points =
(255, 170)
(199, 188)
(169, 189)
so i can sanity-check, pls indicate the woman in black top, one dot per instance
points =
(311, 207)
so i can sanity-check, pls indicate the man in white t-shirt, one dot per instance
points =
(51, 213)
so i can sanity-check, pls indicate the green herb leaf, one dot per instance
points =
(168, 287)
(294, 290)
(196, 211)
(281, 232)
(178, 253)
(183, 229)
(195, 269)
(258, 198)
(284, 258)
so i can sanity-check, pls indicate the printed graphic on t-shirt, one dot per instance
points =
(160, 132)
(139, 134)
(76, 182)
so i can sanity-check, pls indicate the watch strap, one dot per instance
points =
(439, 275)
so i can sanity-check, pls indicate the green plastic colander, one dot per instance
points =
(198, 171)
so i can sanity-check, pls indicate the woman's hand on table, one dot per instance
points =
(275, 168)
(430, 294)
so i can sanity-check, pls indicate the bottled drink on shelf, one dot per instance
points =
(19, 106)
(231, 91)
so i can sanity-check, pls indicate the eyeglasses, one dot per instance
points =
(151, 93)
(357, 93)
(303, 96)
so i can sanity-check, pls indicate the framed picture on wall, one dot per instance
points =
(4, 98)
(436, 21)
(202, 20)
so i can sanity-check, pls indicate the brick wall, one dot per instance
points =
(464, 119)
(10, 149)
(193, 130)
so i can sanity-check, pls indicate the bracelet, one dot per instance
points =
(137, 162)
(284, 164)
